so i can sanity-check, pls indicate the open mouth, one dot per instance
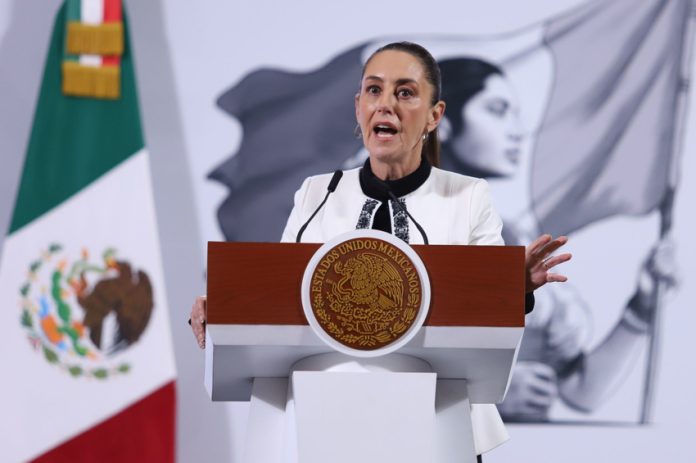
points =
(384, 130)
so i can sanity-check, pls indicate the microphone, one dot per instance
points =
(384, 189)
(334, 181)
(330, 189)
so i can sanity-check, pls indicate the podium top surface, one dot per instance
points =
(260, 284)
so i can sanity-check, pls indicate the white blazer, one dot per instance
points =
(451, 208)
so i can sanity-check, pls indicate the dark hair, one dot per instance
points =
(462, 78)
(431, 145)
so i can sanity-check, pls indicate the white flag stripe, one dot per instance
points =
(92, 11)
(91, 60)
(42, 404)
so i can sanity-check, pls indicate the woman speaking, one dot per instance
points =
(398, 109)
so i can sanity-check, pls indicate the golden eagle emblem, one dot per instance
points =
(369, 291)
(364, 293)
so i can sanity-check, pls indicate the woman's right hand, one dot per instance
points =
(198, 320)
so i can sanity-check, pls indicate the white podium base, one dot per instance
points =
(378, 417)
(342, 409)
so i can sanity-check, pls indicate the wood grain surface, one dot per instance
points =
(260, 283)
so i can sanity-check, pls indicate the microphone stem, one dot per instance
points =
(330, 189)
(299, 234)
(398, 204)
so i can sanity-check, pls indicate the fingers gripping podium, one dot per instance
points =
(342, 361)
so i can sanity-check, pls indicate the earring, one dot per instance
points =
(425, 136)
(357, 133)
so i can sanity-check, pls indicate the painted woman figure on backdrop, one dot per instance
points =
(482, 136)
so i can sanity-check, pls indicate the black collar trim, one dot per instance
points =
(400, 187)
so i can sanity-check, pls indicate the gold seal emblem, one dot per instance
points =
(365, 293)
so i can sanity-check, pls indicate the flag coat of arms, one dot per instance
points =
(87, 355)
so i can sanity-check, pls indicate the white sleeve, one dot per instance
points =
(297, 217)
(486, 224)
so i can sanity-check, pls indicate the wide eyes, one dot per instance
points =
(404, 93)
(401, 92)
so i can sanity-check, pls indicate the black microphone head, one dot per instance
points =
(334, 180)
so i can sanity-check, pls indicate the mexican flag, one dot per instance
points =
(87, 359)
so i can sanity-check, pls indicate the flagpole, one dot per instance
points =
(666, 213)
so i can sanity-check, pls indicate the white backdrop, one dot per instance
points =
(187, 55)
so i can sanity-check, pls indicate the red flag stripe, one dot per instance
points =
(112, 13)
(145, 431)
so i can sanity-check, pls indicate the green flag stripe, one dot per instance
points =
(74, 140)
(74, 10)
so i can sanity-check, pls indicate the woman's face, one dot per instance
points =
(394, 108)
(490, 141)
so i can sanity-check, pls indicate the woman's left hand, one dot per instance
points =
(540, 260)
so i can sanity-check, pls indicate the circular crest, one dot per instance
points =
(365, 293)
(80, 313)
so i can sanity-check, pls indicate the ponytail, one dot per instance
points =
(431, 148)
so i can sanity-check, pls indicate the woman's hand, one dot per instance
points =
(198, 320)
(540, 260)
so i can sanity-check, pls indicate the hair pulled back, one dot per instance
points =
(431, 144)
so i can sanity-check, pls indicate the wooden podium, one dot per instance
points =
(258, 337)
